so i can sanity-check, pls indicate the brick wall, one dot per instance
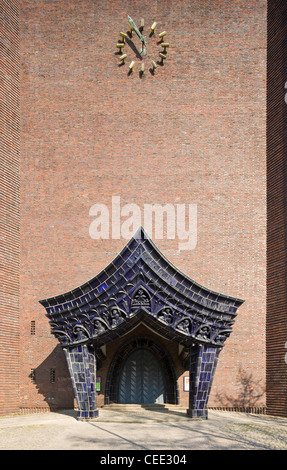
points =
(192, 133)
(276, 191)
(9, 206)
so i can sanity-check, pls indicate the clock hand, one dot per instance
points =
(142, 38)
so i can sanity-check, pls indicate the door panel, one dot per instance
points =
(142, 379)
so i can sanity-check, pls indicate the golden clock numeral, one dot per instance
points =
(123, 58)
(162, 56)
(165, 45)
(153, 26)
(120, 46)
(123, 36)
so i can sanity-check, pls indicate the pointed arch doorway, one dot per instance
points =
(142, 379)
(142, 372)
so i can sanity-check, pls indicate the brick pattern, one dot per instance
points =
(194, 132)
(276, 336)
(9, 206)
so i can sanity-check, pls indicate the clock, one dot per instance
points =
(128, 49)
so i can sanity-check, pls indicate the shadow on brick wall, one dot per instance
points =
(53, 381)
(251, 395)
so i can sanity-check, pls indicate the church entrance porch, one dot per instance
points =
(141, 287)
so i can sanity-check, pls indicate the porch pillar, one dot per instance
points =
(203, 362)
(82, 367)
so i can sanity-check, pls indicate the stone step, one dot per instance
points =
(165, 407)
(145, 413)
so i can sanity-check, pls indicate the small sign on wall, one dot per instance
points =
(98, 384)
(186, 384)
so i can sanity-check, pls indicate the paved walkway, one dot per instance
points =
(143, 430)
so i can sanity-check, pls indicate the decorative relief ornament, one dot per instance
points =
(128, 50)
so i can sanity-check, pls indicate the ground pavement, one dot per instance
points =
(143, 430)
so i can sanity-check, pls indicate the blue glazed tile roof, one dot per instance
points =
(140, 284)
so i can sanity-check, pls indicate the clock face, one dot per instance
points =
(142, 50)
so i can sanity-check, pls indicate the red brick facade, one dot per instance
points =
(9, 206)
(192, 133)
(276, 332)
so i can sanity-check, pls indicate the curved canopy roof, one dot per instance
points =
(141, 285)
